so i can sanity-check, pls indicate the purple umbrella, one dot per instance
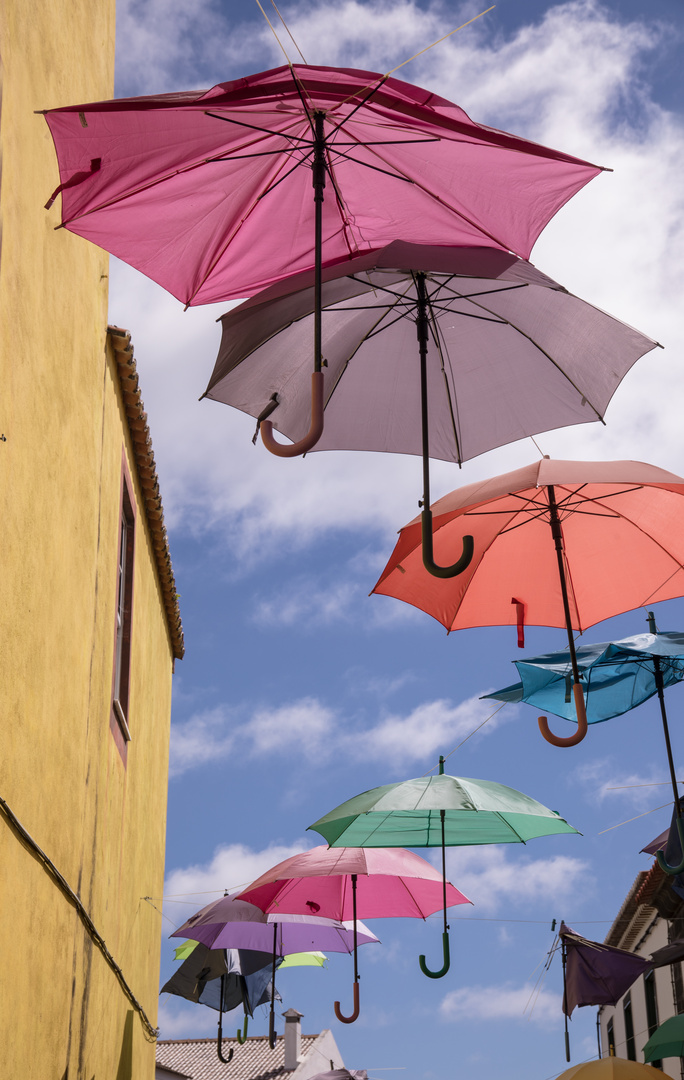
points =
(230, 923)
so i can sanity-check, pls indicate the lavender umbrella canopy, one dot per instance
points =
(230, 923)
(509, 353)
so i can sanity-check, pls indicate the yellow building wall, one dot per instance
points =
(99, 819)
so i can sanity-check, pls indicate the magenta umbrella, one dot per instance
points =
(343, 883)
(209, 193)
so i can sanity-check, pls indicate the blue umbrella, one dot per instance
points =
(616, 676)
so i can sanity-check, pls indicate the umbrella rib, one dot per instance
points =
(536, 345)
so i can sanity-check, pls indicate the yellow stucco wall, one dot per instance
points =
(100, 820)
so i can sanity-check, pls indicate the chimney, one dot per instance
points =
(293, 1038)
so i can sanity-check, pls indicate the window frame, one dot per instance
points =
(123, 613)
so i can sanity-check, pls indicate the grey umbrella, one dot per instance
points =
(503, 352)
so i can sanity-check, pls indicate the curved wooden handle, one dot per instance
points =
(314, 433)
(582, 727)
(357, 1007)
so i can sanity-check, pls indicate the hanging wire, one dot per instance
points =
(440, 40)
(627, 822)
(476, 729)
(258, 3)
(288, 31)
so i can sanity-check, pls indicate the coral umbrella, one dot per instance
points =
(209, 193)
(342, 883)
(439, 811)
(557, 543)
(502, 352)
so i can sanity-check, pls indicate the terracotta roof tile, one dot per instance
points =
(253, 1061)
(147, 475)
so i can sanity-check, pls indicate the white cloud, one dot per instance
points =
(602, 782)
(492, 875)
(505, 1002)
(232, 867)
(201, 739)
(308, 728)
(177, 1021)
(434, 724)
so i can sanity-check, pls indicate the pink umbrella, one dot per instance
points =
(374, 883)
(557, 543)
(181, 186)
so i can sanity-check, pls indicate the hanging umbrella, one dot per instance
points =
(667, 1040)
(234, 923)
(181, 185)
(503, 352)
(224, 980)
(304, 959)
(439, 811)
(343, 882)
(594, 974)
(615, 676)
(557, 543)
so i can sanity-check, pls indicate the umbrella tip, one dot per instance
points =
(650, 619)
(441, 764)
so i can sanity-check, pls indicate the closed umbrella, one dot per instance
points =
(209, 192)
(347, 882)
(556, 543)
(439, 811)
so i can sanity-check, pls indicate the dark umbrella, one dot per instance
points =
(224, 979)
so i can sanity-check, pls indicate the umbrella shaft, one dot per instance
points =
(422, 329)
(557, 534)
(442, 815)
(666, 732)
(319, 173)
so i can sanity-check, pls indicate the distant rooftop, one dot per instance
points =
(197, 1058)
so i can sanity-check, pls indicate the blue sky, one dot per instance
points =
(298, 690)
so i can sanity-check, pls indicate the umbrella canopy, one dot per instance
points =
(557, 543)
(667, 1040)
(390, 883)
(596, 974)
(509, 352)
(616, 675)
(247, 977)
(611, 1068)
(232, 923)
(441, 810)
(304, 959)
(209, 193)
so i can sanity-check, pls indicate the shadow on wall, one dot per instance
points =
(125, 1070)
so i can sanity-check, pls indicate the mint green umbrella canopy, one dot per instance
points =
(408, 814)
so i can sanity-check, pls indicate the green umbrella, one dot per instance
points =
(667, 1040)
(439, 811)
(304, 959)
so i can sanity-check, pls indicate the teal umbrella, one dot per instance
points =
(667, 1040)
(439, 811)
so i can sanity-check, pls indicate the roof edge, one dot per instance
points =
(147, 475)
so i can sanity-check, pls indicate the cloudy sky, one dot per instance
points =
(298, 690)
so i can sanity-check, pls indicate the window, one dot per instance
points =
(629, 1027)
(124, 606)
(651, 1009)
(610, 1037)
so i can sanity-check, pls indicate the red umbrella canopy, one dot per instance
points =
(622, 535)
(209, 193)
(391, 882)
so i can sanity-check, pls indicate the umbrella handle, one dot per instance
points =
(582, 727)
(428, 560)
(219, 1038)
(357, 1007)
(447, 961)
(242, 1036)
(673, 871)
(271, 1032)
(314, 433)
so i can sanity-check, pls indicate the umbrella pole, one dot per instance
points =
(426, 517)
(317, 395)
(445, 934)
(673, 871)
(565, 992)
(580, 709)
(219, 1040)
(271, 1018)
(357, 1005)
